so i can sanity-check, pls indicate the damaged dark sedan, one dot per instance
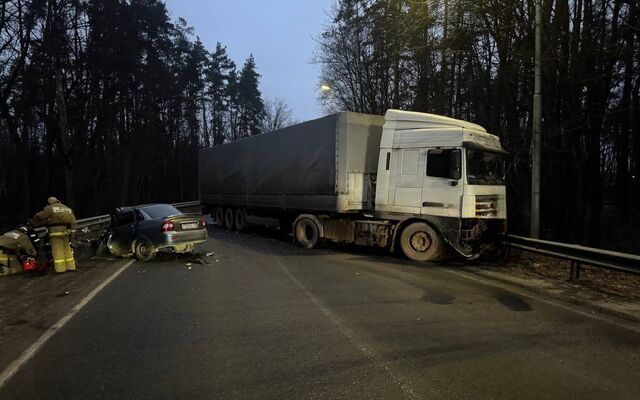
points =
(144, 230)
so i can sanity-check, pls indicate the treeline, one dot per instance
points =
(106, 102)
(473, 60)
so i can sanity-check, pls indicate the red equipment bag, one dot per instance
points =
(29, 264)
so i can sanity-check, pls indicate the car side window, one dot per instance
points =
(139, 216)
(125, 218)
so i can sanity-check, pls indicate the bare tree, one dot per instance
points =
(278, 115)
(473, 60)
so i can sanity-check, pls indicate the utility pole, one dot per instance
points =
(537, 126)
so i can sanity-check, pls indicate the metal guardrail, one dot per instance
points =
(87, 222)
(578, 255)
(100, 219)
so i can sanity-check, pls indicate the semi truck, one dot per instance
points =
(429, 185)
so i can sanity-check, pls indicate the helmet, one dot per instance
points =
(52, 200)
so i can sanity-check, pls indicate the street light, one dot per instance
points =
(324, 88)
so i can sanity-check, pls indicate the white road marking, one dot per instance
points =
(26, 355)
(401, 382)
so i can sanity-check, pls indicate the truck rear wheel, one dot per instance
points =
(228, 218)
(306, 233)
(220, 216)
(420, 242)
(240, 219)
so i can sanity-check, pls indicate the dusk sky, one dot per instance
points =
(279, 33)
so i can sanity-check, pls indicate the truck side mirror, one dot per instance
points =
(455, 165)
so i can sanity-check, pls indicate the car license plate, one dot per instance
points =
(192, 225)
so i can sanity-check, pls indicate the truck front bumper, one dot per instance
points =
(471, 237)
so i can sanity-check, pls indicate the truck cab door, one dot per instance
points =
(407, 190)
(442, 184)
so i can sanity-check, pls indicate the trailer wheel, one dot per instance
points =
(306, 233)
(420, 242)
(228, 218)
(240, 219)
(220, 216)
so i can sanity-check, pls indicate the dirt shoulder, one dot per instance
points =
(604, 290)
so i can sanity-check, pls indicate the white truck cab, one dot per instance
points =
(443, 170)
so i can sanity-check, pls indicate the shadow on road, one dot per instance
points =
(254, 236)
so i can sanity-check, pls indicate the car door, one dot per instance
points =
(123, 230)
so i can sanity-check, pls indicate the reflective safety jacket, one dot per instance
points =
(17, 242)
(56, 215)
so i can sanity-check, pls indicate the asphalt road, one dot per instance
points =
(270, 321)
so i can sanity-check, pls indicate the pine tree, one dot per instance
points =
(217, 76)
(232, 112)
(250, 104)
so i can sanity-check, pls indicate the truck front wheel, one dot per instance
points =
(420, 242)
(306, 233)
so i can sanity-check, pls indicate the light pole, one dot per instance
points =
(537, 126)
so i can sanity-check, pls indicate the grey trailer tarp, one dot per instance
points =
(326, 164)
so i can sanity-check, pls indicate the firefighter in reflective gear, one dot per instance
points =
(14, 244)
(61, 223)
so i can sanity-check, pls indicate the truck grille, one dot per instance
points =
(486, 205)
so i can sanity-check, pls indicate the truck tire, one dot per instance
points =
(420, 242)
(306, 233)
(228, 218)
(220, 216)
(240, 219)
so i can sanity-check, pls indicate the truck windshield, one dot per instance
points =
(484, 168)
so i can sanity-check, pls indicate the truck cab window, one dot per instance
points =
(444, 163)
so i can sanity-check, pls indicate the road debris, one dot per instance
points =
(209, 254)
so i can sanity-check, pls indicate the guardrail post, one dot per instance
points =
(574, 274)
